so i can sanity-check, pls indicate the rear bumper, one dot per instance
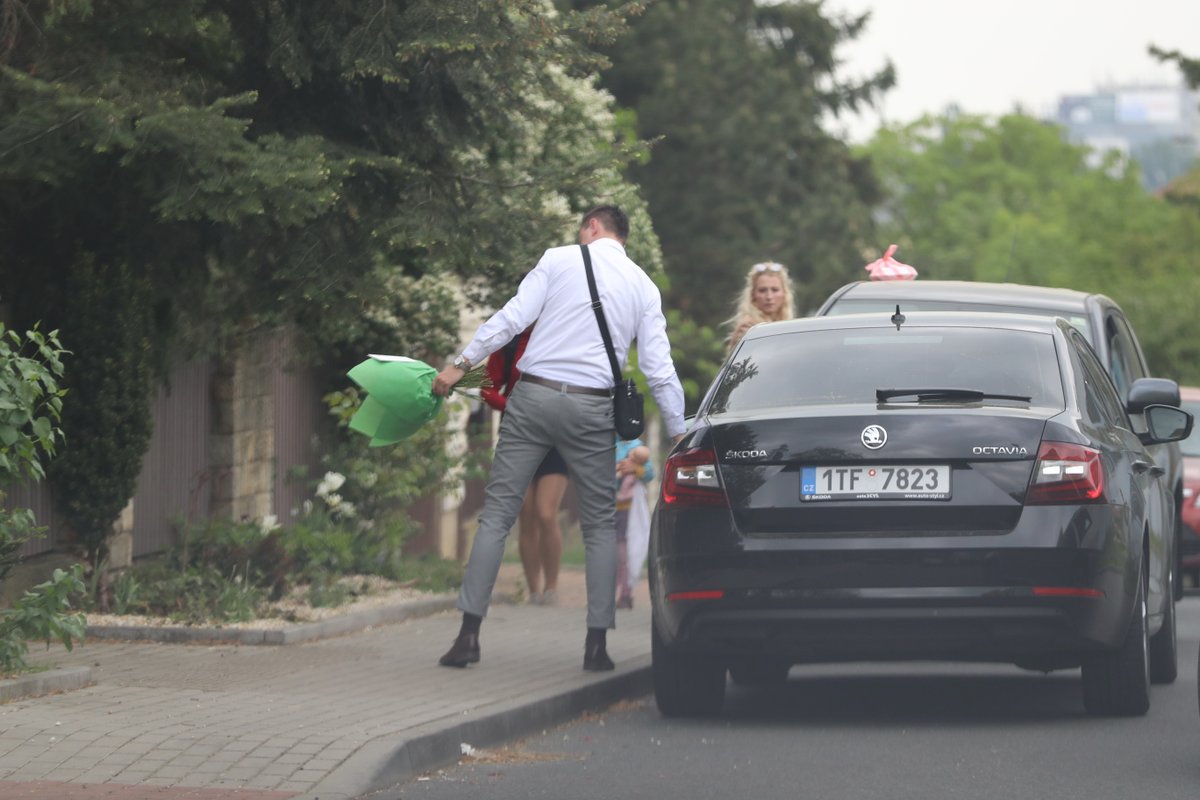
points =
(1068, 604)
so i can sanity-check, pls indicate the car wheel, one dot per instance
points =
(685, 685)
(1164, 652)
(764, 672)
(1117, 684)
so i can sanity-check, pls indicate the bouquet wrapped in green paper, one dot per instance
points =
(399, 399)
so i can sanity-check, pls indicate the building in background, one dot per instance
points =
(1158, 126)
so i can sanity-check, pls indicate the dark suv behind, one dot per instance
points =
(1099, 319)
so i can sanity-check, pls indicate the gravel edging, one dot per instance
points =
(302, 632)
(40, 683)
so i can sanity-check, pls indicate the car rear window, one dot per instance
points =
(850, 305)
(804, 368)
(1191, 445)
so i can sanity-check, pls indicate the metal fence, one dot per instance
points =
(173, 487)
(175, 483)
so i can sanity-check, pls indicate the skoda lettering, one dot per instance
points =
(745, 453)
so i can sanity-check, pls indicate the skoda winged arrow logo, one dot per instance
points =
(873, 437)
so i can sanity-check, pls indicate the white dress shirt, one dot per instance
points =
(566, 345)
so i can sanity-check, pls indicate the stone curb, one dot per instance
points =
(48, 682)
(306, 632)
(390, 760)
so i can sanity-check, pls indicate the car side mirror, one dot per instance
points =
(1166, 424)
(1151, 391)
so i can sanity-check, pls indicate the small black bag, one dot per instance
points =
(628, 405)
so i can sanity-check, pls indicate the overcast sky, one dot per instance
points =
(987, 55)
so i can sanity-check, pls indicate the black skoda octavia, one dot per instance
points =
(945, 486)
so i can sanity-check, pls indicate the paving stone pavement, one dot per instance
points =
(325, 719)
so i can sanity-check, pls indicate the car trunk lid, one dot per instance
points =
(909, 471)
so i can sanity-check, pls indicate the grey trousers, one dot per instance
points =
(581, 427)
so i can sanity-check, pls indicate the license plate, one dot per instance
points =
(875, 482)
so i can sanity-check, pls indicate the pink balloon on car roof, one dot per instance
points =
(889, 269)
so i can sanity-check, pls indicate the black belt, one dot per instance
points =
(559, 386)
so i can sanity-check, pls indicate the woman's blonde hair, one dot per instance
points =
(745, 305)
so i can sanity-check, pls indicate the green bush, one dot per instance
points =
(225, 571)
(430, 573)
(127, 594)
(42, 613)
(30, 402)
(30, 409)
(198, 595)
(106, 419)
(254, 550)
(378, 485)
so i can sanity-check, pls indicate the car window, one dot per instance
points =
(1123, 362)
(1095, 387)
(1191, 445)
(848, 365)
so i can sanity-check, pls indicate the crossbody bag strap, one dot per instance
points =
(599, 309)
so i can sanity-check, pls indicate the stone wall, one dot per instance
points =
(242, 442)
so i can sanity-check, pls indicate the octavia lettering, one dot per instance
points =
(999, 450)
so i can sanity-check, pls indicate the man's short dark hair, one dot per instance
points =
(611, 218)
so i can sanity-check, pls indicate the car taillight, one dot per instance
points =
(1066, 473)
(690, 479)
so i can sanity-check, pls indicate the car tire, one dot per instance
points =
(1164, 646)
(760, 672)
(685, 685)
(1117, 683)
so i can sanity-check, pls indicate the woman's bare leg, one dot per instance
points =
(528, 542)
(549, 494)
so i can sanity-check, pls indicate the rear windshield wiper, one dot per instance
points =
(944, 395)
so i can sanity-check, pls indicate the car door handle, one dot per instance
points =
(1140, 466)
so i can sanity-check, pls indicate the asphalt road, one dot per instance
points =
(862, 731)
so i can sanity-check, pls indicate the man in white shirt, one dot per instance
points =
(564, 400)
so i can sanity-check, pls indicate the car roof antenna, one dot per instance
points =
(898, 318)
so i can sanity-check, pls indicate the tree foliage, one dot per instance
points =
(734, 94)
(264, 161)
(1189, 67)
(107, 411)
(1184, 190)
(972, 198)
(31, 396)
(344, 167)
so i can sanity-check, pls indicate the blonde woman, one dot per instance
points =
(767, 298)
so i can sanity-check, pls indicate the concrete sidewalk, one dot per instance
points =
(327, 719)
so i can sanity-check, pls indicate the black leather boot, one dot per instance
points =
(595, 652)
(465, 649)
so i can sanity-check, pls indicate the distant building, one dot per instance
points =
(1158, 126)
